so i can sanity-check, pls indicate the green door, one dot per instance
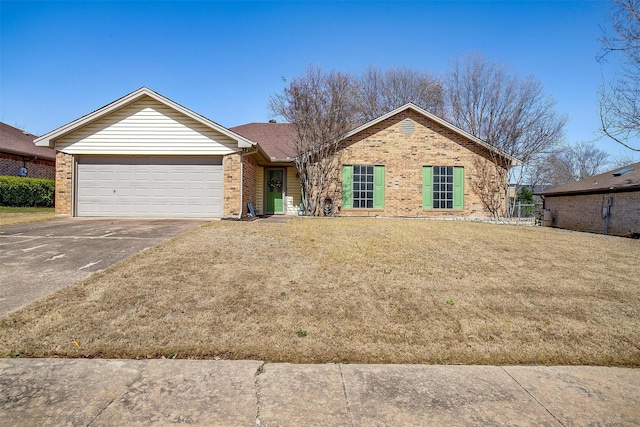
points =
(275, 183)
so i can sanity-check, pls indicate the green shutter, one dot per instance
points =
(378, 187)
(347, 187)
(427, 187)
(458, 188)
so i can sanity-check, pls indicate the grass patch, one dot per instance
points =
(352, 291)
(12, 215)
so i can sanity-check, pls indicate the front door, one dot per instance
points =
(275, 183)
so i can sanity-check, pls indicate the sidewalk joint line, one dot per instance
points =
(533, 397)
(346, 397)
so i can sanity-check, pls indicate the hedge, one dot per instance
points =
(26, 192)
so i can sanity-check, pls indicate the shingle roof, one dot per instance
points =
(625, 178)
(276, 139)
(17, 141)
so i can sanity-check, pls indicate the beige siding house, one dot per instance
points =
(144, 155)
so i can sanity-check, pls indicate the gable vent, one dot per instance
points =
(407, 126)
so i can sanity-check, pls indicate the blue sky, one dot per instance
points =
(61, 60)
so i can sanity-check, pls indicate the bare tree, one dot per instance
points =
(620, 98)
(511, 113)
(320, 106)
(489, 183)
(622, 160)
(584, 159)
(378, 91)
(570, 163)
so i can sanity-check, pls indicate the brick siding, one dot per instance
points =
(38, 168)
(64, 183)
(584, 212)
(231, 183)
(249, 182)
(403, 156)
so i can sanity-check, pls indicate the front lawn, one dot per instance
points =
(12, 215)
(354, 291)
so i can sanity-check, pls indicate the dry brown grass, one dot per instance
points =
(10, 215)
(354, 291)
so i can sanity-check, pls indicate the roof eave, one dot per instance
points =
(613, 189)
(25, 154)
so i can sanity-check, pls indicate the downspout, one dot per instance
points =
(244, 153)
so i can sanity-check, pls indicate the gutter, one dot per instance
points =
(602, 190)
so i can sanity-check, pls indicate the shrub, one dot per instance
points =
(26, 192)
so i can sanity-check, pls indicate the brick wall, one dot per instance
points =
(249, 182)
(231, 178)
(404, 155)
(38, 168)
(231, 171)
(584, 212)
(64, 183)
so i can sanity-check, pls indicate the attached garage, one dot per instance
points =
(144, 155)
(149, 186)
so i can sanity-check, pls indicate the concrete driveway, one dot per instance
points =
(39, 258)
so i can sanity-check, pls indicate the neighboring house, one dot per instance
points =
(608, 203)
(19, 156)
(145, 155)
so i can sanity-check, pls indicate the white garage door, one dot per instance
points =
(149, 186)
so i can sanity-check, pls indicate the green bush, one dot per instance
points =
(26, 192)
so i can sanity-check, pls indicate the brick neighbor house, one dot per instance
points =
(608, 203)
(19, 156)
(146, 155)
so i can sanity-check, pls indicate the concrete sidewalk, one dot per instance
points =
(81, 392)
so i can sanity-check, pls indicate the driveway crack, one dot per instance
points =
(346, 396)
(138, 377)
(259, 372)
(533, 397)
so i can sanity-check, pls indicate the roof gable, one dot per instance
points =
(49, 139)
(278, 139)
(440, 121)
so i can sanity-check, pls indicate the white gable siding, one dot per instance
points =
(259, 207)
(294, 192)
(146, 127)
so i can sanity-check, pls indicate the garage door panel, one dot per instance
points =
(148, 186)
